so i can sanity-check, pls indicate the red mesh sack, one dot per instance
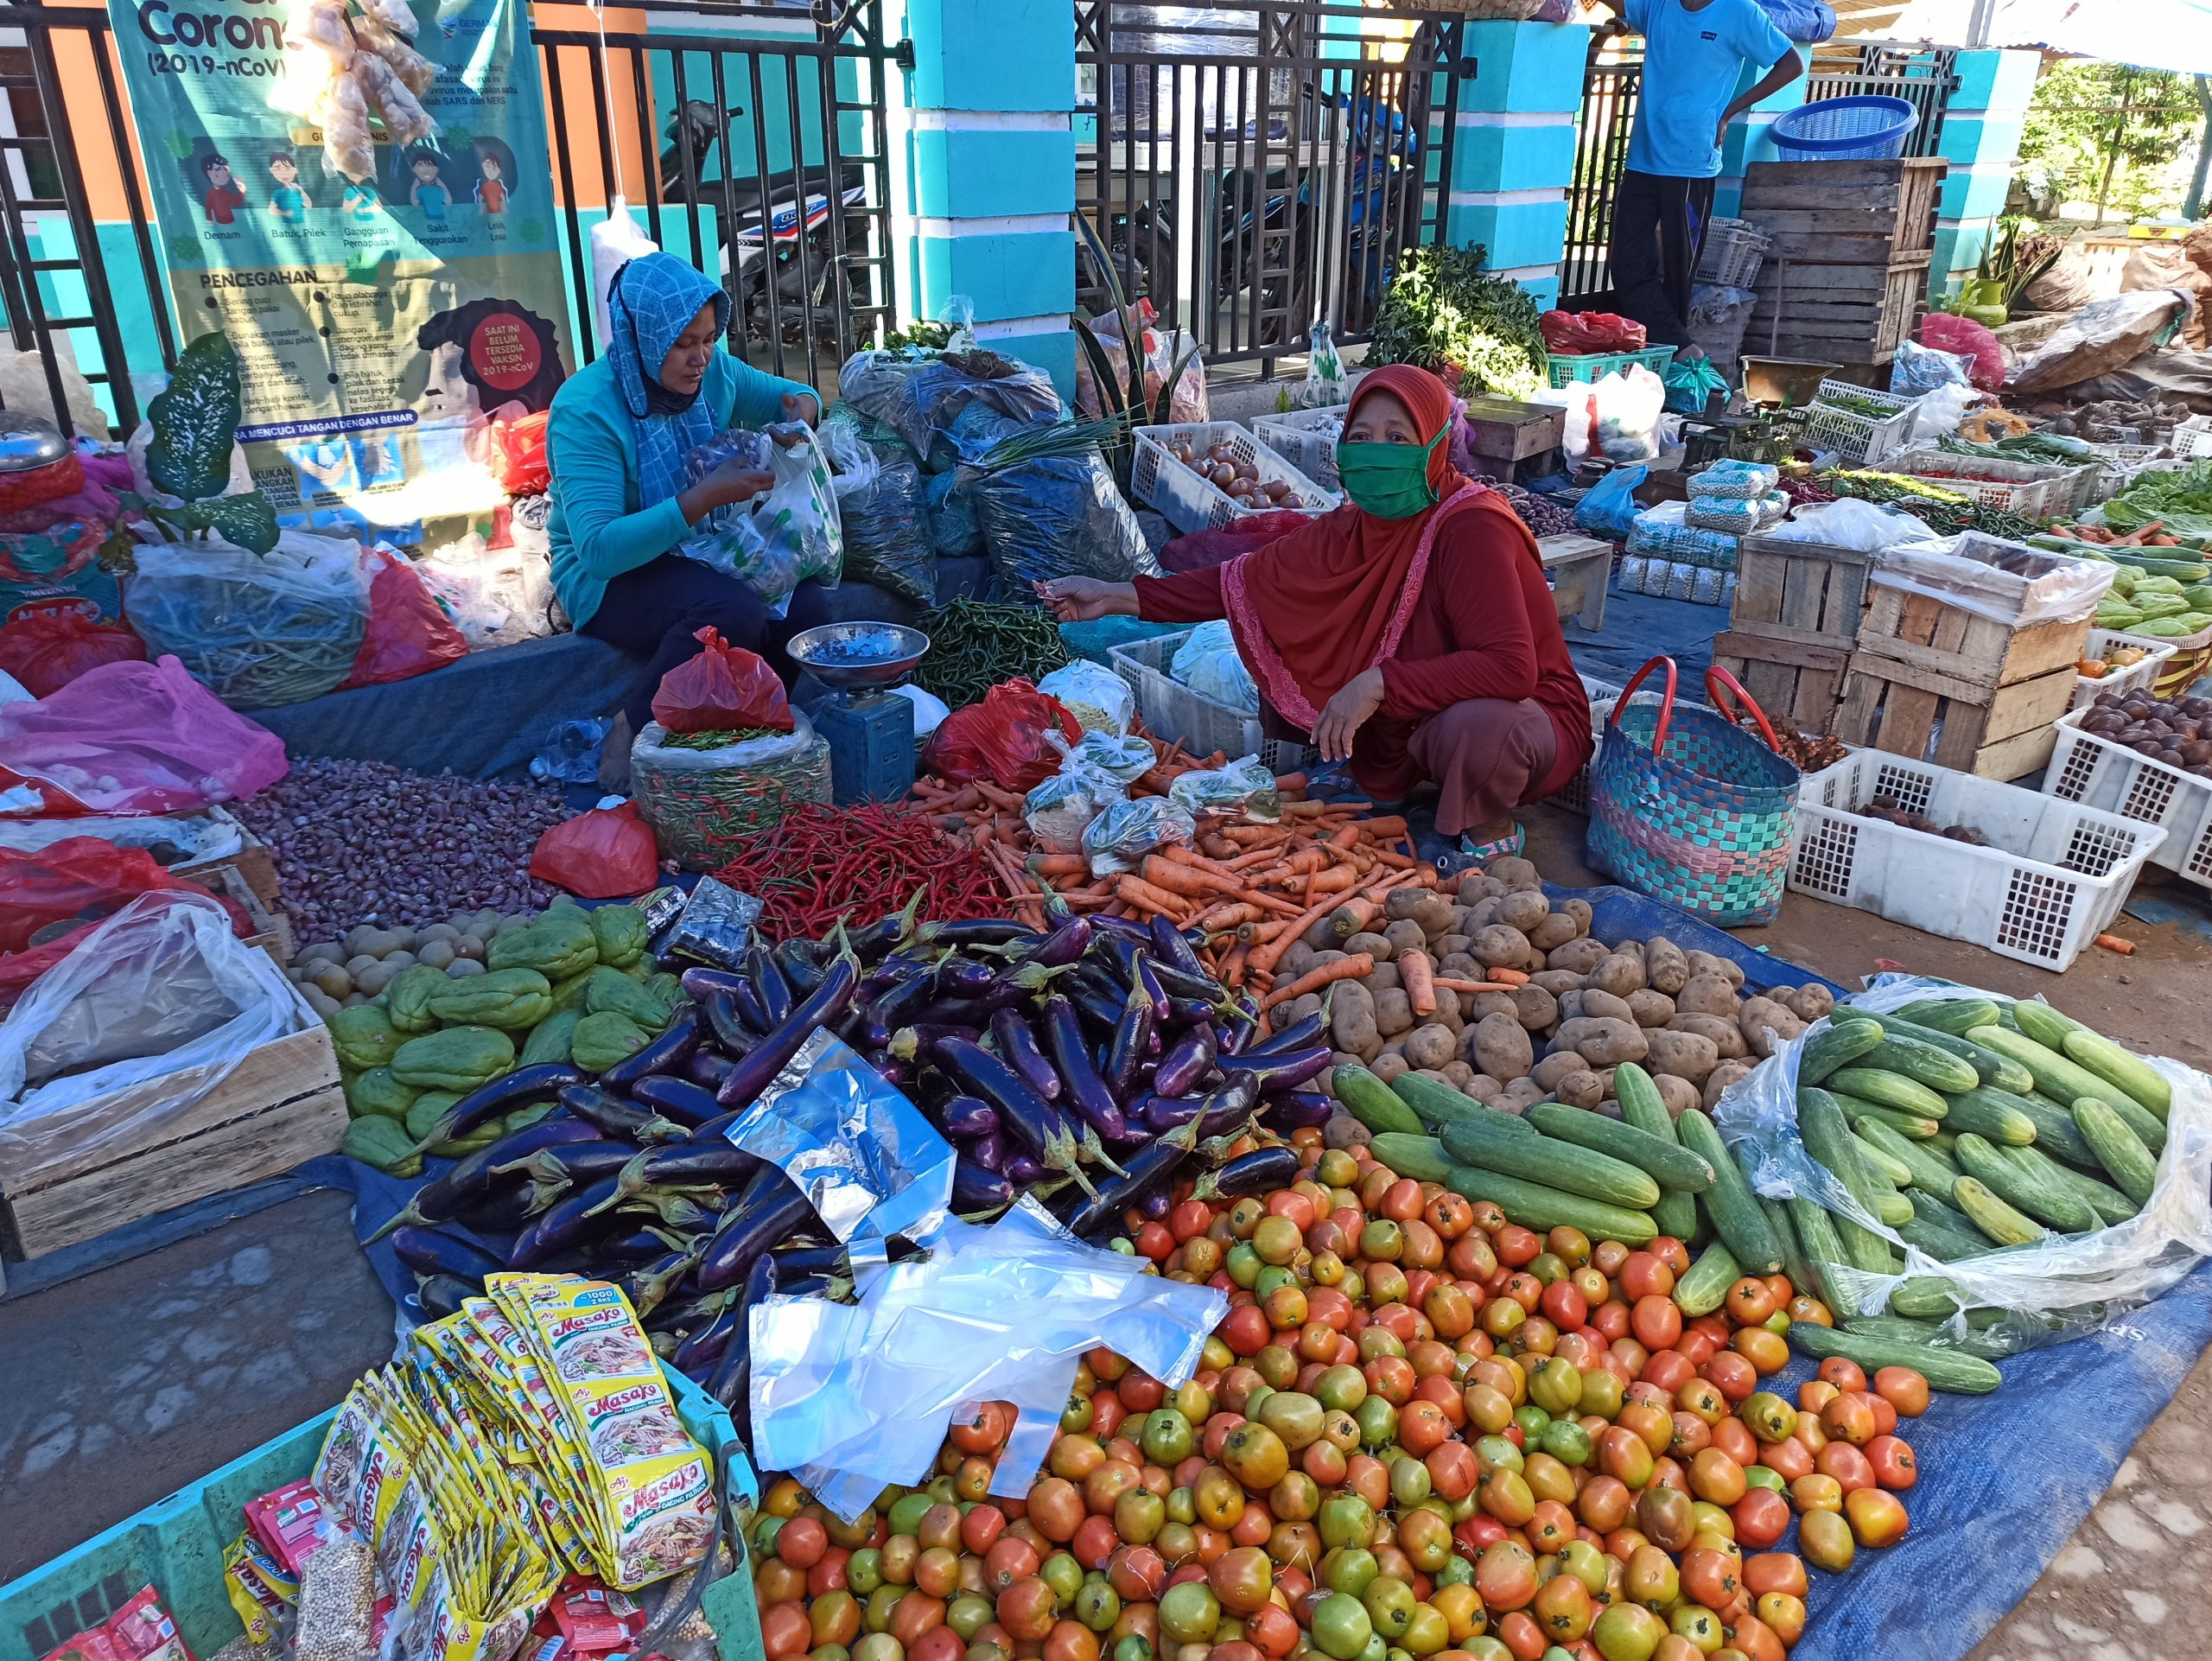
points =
(47, 650)
(1969, 340)
(409, 632)
(65, 477)
(1580, 333)
(724, 687)
(63, 890)
(1205, 549)
(517, 458)
(1002, 739)
(603, 855)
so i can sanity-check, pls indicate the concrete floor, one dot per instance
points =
(150, 1374)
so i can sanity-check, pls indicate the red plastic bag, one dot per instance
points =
(1203, 548)
(47, 650)
(132, 738)
(1002, 739)
(75, 882)
(723, 687)
(1579, 332)
(603, 855)
(1969, 339)
(409, 632)
(517, 458)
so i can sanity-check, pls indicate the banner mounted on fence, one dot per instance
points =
(356, 193)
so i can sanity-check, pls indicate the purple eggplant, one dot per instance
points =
(1063, 946)
(1299, 1110)
(962, 977)
(795, 959)
(1228, 1109)
(430, 1252)
(1183, 1066)
(1031, 1120)
(1101, 1012)
(989, 1152)
(706, 1069)
(1174, 982)
(976, 1188)
(765, 1214)
(689, 1104)
(501, 1097)
(1262, 1171)
(703, 1347)
(718, 1164)
(910, 1042)
(1238, 1022)
(745, 997)
(698, 982)
(1296, 1036)
(651, 1281)
(823, 1006)
(769, 986)
(731, 1380)
(1279, 1071)
(562, 1226)
(472, 1179)
(1183, 1014)
(443, 1294)
(1123, 927)
(619, 1116)
(1084, 1088)
(1131, 1041)
(1023, 1170)
(1162, 1114)
(1169, 945)
(662, 1054)
(685, 1310)
(1150, 1170)
(1017, 1048)
(1155, 1206)
(718, 1005)
(553, 1172)
(647, 1246)
(982, 931)
(967, 1119)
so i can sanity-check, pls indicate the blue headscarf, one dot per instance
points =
(651, 302)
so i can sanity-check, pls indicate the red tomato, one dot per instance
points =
(1654, 1319)
(1890, 1456)
(1761, 1517)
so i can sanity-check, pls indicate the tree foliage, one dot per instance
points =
(2107, 132)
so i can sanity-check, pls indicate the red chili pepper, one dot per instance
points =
(821, 863)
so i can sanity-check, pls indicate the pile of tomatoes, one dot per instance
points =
(1419, 1431)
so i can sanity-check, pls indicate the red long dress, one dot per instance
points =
(1484, 627)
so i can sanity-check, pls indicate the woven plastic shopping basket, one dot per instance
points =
(1688, 807)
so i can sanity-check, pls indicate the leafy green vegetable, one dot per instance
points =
(196, 422)
(1443, 312)
(2181, 502)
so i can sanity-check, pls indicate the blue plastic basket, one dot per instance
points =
(1846, 129)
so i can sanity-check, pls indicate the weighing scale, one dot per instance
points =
(869, 728)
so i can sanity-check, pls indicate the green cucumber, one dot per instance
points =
(1422, 1158)
(1642, 1107)
(1924, 1167)
(1989, 1346)
(1977, 1112)
(1893, 1210)
(1437, 1105)
(1887, 1089)
(1925, 1064)
(2109, 1204)
(2123, 1069)
(2119, 1149)
(1701, 1291)
(1939, 1232)
(1535, 1205)
(2001, 1070)
(1899, 1172)
(1794, 1262)
(1816, 1228)
(1730, 1202)
(1947, 1369)
(2049, 1203)
(1665, 1160)
(1368, 1099)
(1828, 1140)
(1840, 1043)
(1999, 1221)
(2044, 1024)
(1925, 1297)
(2064, 1080)
(1954, 1016)
(2054, 1131)
(1555, 1164)
(1911, 1126)
(1943, 1141)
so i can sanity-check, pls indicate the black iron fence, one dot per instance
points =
(1253, 167)
(1921, 76)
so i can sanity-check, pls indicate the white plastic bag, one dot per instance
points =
(1120, 838)
(781, 537)
(2031, 586)
(1917, 369)
(1848, 522)
(1324, 386)
(258, 630)
(1627, 408)
(163, 989)
(2071, 1282)
(1124, 757)
(615, 241)
(2100, 338)
(1208, 664)
(495, 596)
(1060, 809)
(1243, 786)
(1939, 413)
(1094, 695)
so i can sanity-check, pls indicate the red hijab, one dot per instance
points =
(1313, 609)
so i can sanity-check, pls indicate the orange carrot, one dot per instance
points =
(1264, 959)
(997, 798)
(1357, 966)
(1290, 783)
(1232, 966)
(1177, 854)
(2125, 947)
(1058, 865)
(1511, 976)
(1352, 916)
(1418, 975)
(1166, 875)
(1383, 830)
(1347, 838)
(1139, 892)
(1450, 983)
(1335, 879)
(1395, 862)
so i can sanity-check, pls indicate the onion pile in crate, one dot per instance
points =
(1239, 480)
(1421, 1429)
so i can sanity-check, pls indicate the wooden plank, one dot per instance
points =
(2028, 705)
(226, 1157)
(1861, 701)
(1760, 585)
(1514, 431)
(2012, 758)
(1908, 721)
(1865, 313)
(1823, 277)
(1771, 174)
(1830, 247)
(1874, 198)
(57, 1146)
(1770, 643)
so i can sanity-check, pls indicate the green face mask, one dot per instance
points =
(1388, 481)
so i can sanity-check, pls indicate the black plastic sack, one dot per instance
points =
(1056, 516)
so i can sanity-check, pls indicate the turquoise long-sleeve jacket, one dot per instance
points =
(599, 528)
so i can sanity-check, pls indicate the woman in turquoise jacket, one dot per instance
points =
(615, 444)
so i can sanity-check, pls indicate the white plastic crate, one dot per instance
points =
(1859, 440)
(2115, 468)
(1173, 711)
(2136, 677)
(1306, 439)
(1191, 503)
(2193, 438)
(2099, 774)
(1574, 794)
(1733, 251)
(2051, 878)
(2023, 487)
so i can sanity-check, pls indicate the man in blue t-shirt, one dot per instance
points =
(1695, 55)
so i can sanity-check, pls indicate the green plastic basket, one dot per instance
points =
(175, 1546)
(1565, 370)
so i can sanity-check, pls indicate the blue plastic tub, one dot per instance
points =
(1846, 129)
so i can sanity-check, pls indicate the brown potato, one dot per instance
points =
(1389, 1065)
(1476, 1006)
(1382, 977)
(1450, 944)
(1345, 1132)
(1437, 916)
(1482, 1087)
(1458, 966)
(1379, 947)
(1679, 1094)
(1500, 946)
(1598, 1001)
(1351, 1019)
(1556, 1066)
(1475, 886)
(1306, 1003)
(1619, 974)
(1393, 1013)
(1811, 1002)
(1604, 1042)
(1556, 929)
(1456, 1073)
(1570, 1003)
(1516, 873)
(1500, 1047)
(1479, 915)
(1404, 935)
(1630, 949)
(1665, 969)
(1687, 1055)
(1533, 1007)
(1519, 1096)
(1727, 1037)
(1704, 962)
(1767, 1025)
(1580, 911)
(1584, 1089)
(1524, 909)
(1580, 957)
(1558, 982)
(1295, 962)
(1650, 1009)
(1706, 995)
(1431, 1046)
(1398, 904)
(1720, 1079)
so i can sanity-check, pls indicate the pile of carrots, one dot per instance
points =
(1249, 889)
(2152, 535)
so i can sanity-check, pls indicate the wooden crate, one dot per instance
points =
(1793, 625)
(1851, 313)
(272, 929)
(252, 862)
(1580, 568)
(1868, 212)
(125, 1154)
(1940, 684)
(1505, 433)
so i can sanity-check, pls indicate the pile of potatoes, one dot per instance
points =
(343, 974)
(1587, 1006)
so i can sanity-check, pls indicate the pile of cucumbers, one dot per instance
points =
(1966, 1125)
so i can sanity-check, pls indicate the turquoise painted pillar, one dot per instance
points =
(1981, 140)
(984, 173)
(1748, 142)
(1513, 147)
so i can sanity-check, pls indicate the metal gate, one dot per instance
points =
(1921, 76)
(1610, 87)
(1253, 168)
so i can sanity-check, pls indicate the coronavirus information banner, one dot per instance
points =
(355, 191)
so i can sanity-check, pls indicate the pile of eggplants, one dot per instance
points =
(1092, 1064)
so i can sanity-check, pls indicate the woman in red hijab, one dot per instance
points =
(1411, 631)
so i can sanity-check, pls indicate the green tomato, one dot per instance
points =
(1346, 1520)
(1243, 1264)
(1097, 1605)
(1532, 1420)
(1348, 1569)
(1075, 1417)
(1377, 1420)
(1342, 1627)
(1409, 1481)
(1492, 1454)
(1189, 1614)
(1064, 1575)
(1566, 1441)
(864, 1571)
(1457, 1571)
(968, 1615)
(1133, 1648)
(906, 1513)
(1165, 1438)
(1389, 1604)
